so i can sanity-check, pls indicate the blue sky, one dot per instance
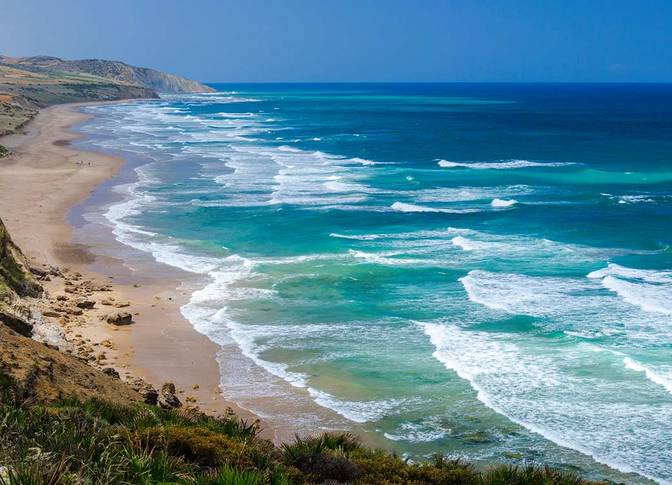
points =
(362, 40)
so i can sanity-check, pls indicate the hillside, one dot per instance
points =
(121, 72)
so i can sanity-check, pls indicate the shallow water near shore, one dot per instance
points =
(479, 270)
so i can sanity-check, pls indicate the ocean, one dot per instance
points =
(479, 270)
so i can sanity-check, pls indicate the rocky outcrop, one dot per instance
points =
(119, 318)
(148, 393)
(117, 71)
(112, 372)
(85, 304)
(19, 324)
(168, 397)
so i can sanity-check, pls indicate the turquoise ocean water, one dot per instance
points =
(479, 270)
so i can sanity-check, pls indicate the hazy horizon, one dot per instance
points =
(299, 41)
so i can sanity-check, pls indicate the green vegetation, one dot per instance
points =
(74, 442)
(4, 151)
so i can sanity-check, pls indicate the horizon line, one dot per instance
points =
(438, 82)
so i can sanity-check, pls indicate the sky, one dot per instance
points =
(355, 40)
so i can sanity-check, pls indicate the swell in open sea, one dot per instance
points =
(478, 270)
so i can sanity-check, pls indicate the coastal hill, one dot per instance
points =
(121, 72)
(30, 83)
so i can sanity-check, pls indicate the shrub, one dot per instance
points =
(35, 472)
(197, 445)
(322, 457)
(228, 475)
(512, 475)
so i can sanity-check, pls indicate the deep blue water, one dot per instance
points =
(482, 270)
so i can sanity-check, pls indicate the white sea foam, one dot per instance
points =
(390, 258)
(208, 312)
(537, 387)
(567, 304)
(500, 203)
(465, 194)
(336, 186)
(650, 290)
(500, 165)
(405, 207)
(526, 295)
(466, 244)
(266, 175)
(285, 148)
(426, 431)
(660, 378)
(363, 161)
(357, 411)
(479, 245)
(363, 237)
(635, 199)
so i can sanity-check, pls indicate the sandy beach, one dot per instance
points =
(40, 183)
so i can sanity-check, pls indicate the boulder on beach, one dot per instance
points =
(86, 304)
(148, 393)
(119, 318)
(112, 372)
(168, 397)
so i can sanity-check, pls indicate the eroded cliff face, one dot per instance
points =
(16, 281)
(16, 278)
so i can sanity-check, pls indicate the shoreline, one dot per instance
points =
(43, 180)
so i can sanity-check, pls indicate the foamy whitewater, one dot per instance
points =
(417, 263)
